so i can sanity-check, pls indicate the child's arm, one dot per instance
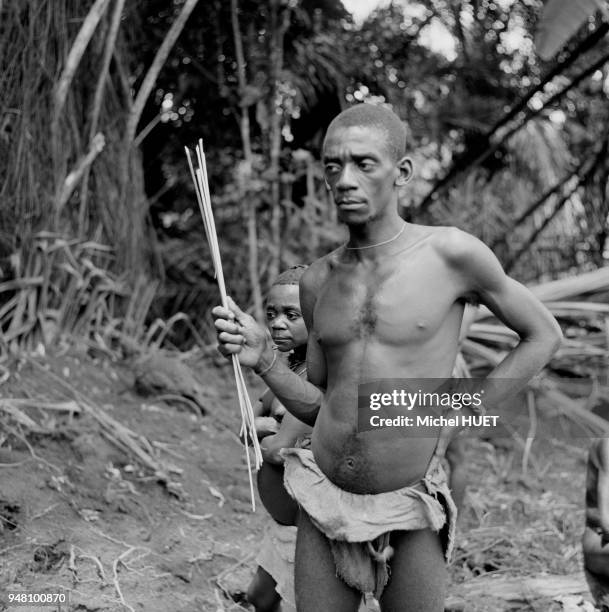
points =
(265, 424)
(263, 407)
(290, 430)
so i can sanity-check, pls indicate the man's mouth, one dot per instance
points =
(281, 338)
(350, 203)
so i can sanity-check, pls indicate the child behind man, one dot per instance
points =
(274, 577)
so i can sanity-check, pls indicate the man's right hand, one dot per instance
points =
(239, 333)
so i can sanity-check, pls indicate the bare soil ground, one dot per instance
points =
(78, 514)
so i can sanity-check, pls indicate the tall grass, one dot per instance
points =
(64, 288)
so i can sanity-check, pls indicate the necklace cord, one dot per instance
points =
(369, 246)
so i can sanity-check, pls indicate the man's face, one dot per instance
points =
(361, 173)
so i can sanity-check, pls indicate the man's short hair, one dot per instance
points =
(378, 117)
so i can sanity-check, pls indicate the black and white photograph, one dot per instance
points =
(304, 306)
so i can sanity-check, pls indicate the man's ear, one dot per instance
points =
(406, 170)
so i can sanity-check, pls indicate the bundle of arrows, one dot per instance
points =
(248, 429)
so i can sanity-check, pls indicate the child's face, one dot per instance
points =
(284, 319)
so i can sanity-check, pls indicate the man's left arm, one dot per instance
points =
(513, 304)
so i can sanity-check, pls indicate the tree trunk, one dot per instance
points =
(75, 56)
(248, 202)
(153, 72)
(276, 53)
(97, 105)
(77, 51)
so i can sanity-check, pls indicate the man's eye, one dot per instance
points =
(331, 169)
(292, 316)
(270, 314)
(366, 165)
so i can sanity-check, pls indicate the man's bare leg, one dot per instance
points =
(455, 455)
(418, 573)
(261, 592)
(317, 585)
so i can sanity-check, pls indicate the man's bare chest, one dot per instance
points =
(394, 304)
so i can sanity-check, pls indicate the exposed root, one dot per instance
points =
(115, 580)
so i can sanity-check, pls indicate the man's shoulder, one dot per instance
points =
(453, 242)
(458, 247)
(469, 258)
(316, 274)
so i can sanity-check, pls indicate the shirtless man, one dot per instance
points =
(596, 535)
(387, 304)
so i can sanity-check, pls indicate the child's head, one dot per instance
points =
(283, 315)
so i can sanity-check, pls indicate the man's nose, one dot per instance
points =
(346, 179)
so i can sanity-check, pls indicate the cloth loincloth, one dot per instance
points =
(276, 556)
(599, 589)
(358, 526)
